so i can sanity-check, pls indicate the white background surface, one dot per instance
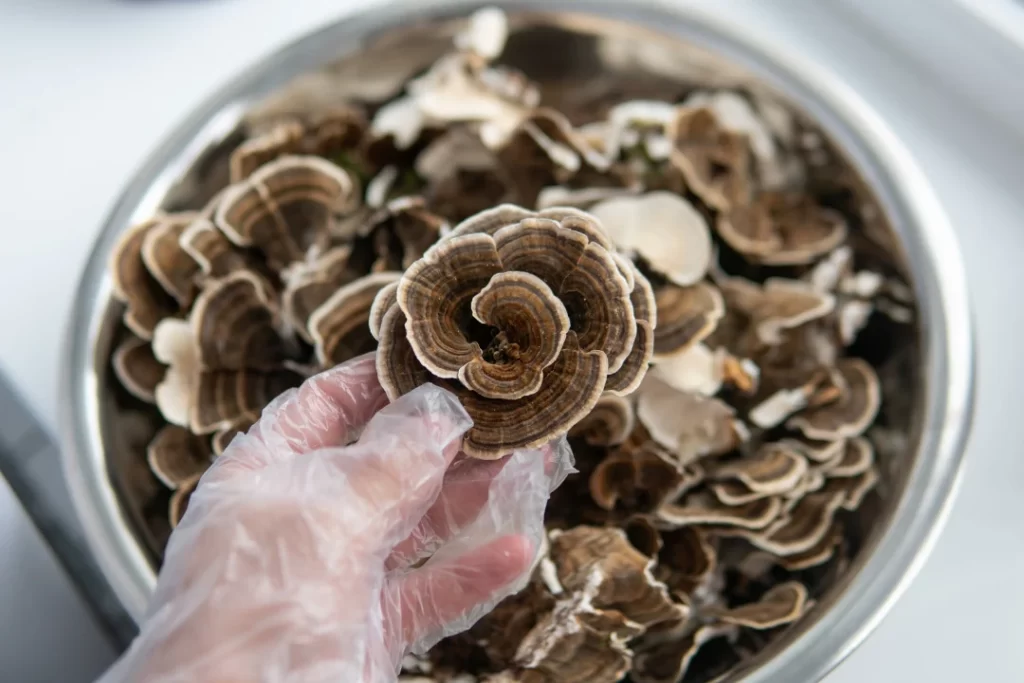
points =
(87, 88)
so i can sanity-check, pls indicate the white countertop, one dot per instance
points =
(88, 87)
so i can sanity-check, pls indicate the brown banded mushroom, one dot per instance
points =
(756, 515)
(326, 134)
(799, 530)
(686, 316)
(214, 252)
(618, 576)
(642, 480)
(166, 260)
(339, 326)
(818, 554)
(286, 208)
(401, 231)
(782, 604)
(774, 470)
(714, 162)
(577, 643)
(687, 559)
(520, 313)
(180, 498)
(609, 423)
(667, 660)
(782, 229)
(855, 458)
(851, 414)
(310, 286)
(137, 368)
(147, 303)
(777, 305)
(176, 455)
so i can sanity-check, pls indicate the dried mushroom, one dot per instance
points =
(675, 272)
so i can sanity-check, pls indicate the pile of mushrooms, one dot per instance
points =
(659, 282)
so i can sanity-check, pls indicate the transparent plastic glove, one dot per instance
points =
(301, 558)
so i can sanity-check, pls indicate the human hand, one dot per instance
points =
(300, 557)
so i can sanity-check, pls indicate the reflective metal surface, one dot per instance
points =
(922, 492)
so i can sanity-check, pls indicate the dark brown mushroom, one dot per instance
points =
(209, 248)
(286, 208)
(603, 561)
(222, 438)
(817, 555)
(782, 604)
(687, 559)
(628, 377)
(777, 305)
(576, 643)
(567, 317)
(782, 228)
(853, 460)
(755, 515)
(774, 470)
(802, 528)
(310, 286)
(641, 479)
(223, 399)
(176, 455)
(236, 325)
(714, 162)
(609, 423)
(851, 414)
(137, 368)
(852, 490)
(667, 659)
(166, 260)
(147, 303)
(686, 316)
(179, 500)
(339, 327)
(401, 232)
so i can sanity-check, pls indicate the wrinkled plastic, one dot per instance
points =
(338, 535)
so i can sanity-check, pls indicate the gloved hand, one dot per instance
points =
(300, 558)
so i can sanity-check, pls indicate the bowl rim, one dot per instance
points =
(925, 233)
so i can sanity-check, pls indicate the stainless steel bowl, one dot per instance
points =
(920, 488)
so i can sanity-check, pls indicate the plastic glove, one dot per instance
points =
(300, 558)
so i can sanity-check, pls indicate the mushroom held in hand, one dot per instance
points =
(526, 317)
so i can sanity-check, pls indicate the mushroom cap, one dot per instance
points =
(521, 302)
(209, 248)
(627, 378)
(774, 470)
(687, 559)
(401, 232)
(642, 479)
(852, 413)
(308, 288)
(802, 528)
(175, 347)
(167, 261)
(782, 604)
(175, 455)
(714, 162)
(137, 368)
(147, 302)
(284, 137)
(782, 229)
(755, 515)
(285, 208)
(339, 327)
(777, 305)
(222, 399)
(696, 369)
(686, 316)
(609, 423)
(222, 438)
(664, 229)
(179, 500)
(625, 583)
(668, 659)
(236, 325)
(577, 643)
(852, 490)
(856, 456)
(387, 296)
(817, 555)
(570, 389)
